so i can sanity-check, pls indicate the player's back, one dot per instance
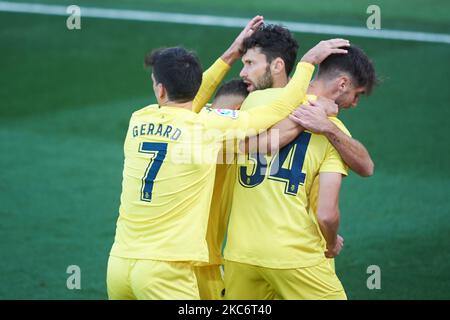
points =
(167, 183)
(271, 223)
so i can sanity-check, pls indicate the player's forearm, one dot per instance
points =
(231, 55)
(329, 226)
(328, 215)
(272, 140)
(354, 154)
(210, 81)
(265, 143)
(287, 134)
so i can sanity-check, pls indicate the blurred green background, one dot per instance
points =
(66, 98)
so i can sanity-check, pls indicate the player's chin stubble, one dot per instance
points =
(265, 81)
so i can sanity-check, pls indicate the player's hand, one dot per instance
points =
(336, 249)
(234, 51)
(329, 106)
(311, 118)
(323, 49)
(249, 29)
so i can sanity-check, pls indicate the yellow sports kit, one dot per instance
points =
(168, 178)
(274, 246)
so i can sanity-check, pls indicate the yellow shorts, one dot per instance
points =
(210, 282)
(129, 279)
(249, 282)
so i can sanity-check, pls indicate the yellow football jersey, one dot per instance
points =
(219, 210)
(211, 78)
(169, 171)
(271, 224)
(221, 194)
(220, 204)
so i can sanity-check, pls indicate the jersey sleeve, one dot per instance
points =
(340, 125)
(333, 161)
(210, 80)
(251, 122)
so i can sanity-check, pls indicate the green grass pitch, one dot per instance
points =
(65, 101)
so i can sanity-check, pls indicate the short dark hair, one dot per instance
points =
(356, 63)
(274, 41)
(178, 70)
(233, 87)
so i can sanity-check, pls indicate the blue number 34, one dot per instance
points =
(158, 151)
(292, 177)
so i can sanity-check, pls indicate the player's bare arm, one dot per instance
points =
(325, 48)
(272, 140)
(354, 154)
(328, 215)
(284, 132)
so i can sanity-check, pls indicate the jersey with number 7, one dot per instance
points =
(169, 169)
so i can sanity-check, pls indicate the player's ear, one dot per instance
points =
(277, 66)
(156, 88)
(161, 92)
(343, 83)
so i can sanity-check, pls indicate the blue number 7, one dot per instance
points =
(159, 151)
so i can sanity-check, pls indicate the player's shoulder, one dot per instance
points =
(145, 110)
(340, 125)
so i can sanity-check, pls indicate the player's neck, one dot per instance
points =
(184, 105)
(280, 82)
(318, 88)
